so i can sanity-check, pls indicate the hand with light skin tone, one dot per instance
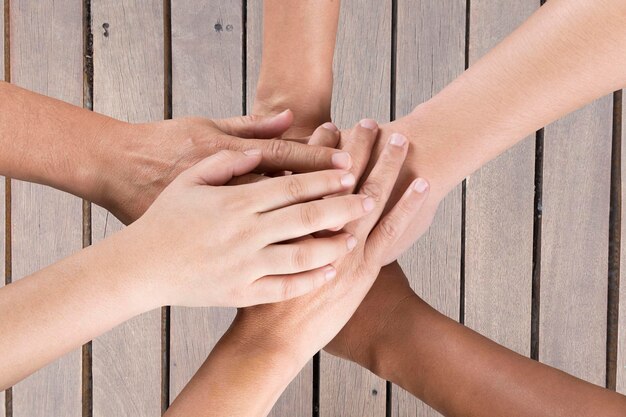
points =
(565, 55)
(123, 166)
(199, 244)
(267, 345)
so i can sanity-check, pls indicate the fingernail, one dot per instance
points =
(252, 152)
(330, 272)
(348, 180)
(420, 185)
(368, 124)
(397, 139)
(342, 160)
(282, 112)
(330, 126)
(351, 243)
(369, 204)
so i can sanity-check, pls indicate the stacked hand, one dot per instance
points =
(302, 326)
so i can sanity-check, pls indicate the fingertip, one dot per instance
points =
(397, 140)
(253, 152)
(351, 243)
(330, 126)
(348, 180)
(369, 203)
(369, 124)
(342, 160)
(329, 272)
(420, 186)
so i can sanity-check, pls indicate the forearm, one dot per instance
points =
(567, 54)
(51, 142)
(59, 308)
(296, 70)
(237, 379)
(461, 373)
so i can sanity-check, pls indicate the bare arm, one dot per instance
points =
(455, 370)
(123, 166)
(567, 54)
(163, 258)
(296, 70)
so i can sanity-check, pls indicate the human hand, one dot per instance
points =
(202, 245)
(145, 158)
(419, 159)
(302, 326)
(365, 333)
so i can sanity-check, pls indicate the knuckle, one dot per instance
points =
(309, 216)
(286, 289)
(279, 150)
(295, 189)
(388, 229)
(373, 189)
(300, 258)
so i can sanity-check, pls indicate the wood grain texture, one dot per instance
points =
(430, 54)
(46, 57)
(128, 85)
(361, 89)
(621, 328)
(574, 244)
(297, 399)
(206, 81)
(2, 199)
(500, 209)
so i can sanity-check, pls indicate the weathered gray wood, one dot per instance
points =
(297, 399)
(431, 53)
(2, 193)
(362, 81)
(574, 243)
(206, 81)
(621, 328)
(128, 84)
(500, 209)
(46, 57)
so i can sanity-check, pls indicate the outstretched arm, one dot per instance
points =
(455, 370)
(567, 54)
(163, 258)
(296, 69)
(123, 166)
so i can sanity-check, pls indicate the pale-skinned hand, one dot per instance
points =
(200, 244)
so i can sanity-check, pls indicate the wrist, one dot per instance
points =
(311, 106)
(122, 279)
(107, 161)
(275, 358)
(124, 169)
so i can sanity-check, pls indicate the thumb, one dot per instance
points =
(221, 167)
(258, 127)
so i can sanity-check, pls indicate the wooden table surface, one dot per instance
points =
(526, 251)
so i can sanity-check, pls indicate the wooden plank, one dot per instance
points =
(46, 57)
(433, 35)
(128, 85)
(621, 328)
(206, 81)
(362, 89)
(574, 243)
(297, 399)
(2, 196)
(500, 209)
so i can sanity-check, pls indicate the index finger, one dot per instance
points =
(288, 155)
